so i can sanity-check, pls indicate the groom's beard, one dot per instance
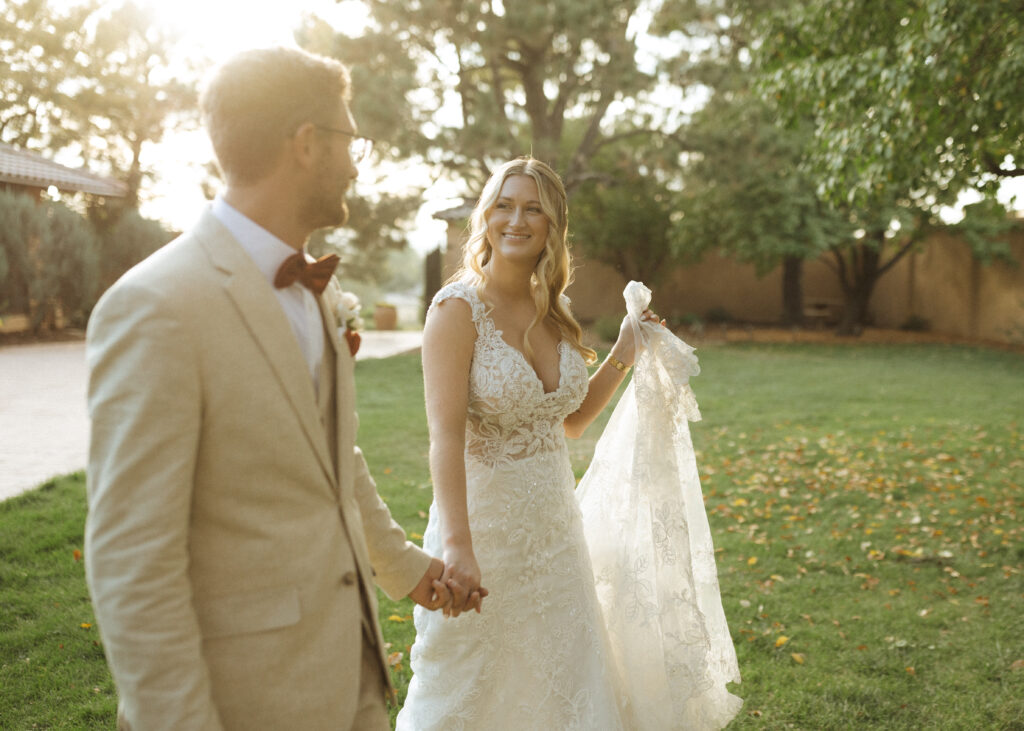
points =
(325, 204)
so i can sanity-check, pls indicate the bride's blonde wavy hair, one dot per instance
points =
(553, 272)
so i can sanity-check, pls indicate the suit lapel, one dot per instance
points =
(269, 327)
(344, 398)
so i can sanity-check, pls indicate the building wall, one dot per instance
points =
(942, 283)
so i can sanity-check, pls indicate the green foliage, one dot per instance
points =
(126, 242)
(57, 260)
(519, 71)
(67, 271)
(52, 669)
(623, 218)
(915, 95)
(984, 228)
(22, 223)
(374, 232)
(52, 260)
(908, 107)
(745, 194)
(91, 80)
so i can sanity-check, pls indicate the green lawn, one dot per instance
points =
(868, 513)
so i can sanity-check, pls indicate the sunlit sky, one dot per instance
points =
(213, 30)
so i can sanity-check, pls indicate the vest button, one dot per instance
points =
(348, 578)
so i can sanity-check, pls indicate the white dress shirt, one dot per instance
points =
(299, 304)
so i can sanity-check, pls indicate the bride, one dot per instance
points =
(505, 374)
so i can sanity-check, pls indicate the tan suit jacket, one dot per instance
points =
(232, 520)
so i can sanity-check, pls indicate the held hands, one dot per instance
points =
(431, 593)
(462, 578)
(624, 349)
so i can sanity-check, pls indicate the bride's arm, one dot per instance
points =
(448, 339)
(606, 379)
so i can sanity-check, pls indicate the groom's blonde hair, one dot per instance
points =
(258, 98)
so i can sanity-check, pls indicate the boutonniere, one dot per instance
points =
(352, 323)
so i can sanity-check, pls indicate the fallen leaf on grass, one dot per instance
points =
(781, 640)
(911, 671)
(396, 618)
(85, 625)
(1017, 665)
(77, 555)
(798, 657)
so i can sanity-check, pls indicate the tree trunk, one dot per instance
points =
(792, 291)
(863, 274)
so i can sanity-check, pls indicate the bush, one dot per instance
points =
(717, 316)
(127, 242)
(68, 275)
(607, 328)
(916, 323)
(22, 223)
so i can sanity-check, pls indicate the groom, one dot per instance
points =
(234, 533)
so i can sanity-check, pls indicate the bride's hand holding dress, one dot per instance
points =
(608, 377)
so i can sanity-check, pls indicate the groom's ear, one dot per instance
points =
(303, 146)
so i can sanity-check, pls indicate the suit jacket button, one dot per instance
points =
(348, 578)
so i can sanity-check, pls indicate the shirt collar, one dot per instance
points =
(267, 250)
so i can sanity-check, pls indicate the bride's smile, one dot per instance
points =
(517, 226)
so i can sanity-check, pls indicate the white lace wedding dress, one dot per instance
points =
(539, 656)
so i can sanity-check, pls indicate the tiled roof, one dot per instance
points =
(22, 167)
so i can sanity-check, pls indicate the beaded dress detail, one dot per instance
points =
(605, 610)
(537, 656)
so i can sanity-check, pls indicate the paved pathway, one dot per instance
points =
(44, 426)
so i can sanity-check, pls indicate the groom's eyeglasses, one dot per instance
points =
(359, 148)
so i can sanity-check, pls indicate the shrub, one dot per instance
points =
(606, 328)
(22, 223)
(127, 242)
(717, 316)
(67, 277)
(916, 323)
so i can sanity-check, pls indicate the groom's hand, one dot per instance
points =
(431, 593)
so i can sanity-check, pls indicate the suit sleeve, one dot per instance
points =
(397, 563)
(145, 406)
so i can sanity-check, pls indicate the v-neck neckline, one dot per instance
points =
(530, 368)
(498, 333)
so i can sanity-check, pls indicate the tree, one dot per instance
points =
(37, 72)
(464, 86)
(53, 263)
(125, 242)
(743, 193)
(66, 278)
(905, 102)
(916, 94)
(91, 81)
(746, 196)
(514, 74)
(375, 228)
(129, 92)
(623, 218)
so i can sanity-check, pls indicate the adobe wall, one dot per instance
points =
(941, 283)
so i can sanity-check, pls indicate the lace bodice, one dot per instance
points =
(510, 417)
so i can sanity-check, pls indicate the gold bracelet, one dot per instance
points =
(618, 364)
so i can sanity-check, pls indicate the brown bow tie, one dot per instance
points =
(312, 275)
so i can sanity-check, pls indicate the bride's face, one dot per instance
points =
(517, 228)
